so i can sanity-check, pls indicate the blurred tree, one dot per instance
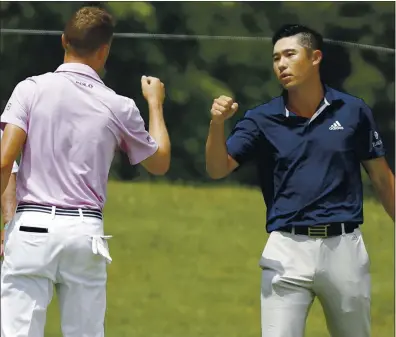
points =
(196, 71)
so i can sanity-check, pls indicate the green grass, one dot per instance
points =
(185, 263)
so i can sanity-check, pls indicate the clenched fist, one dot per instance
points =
(223, 108)
(153, 89)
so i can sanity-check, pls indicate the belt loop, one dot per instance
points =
(53, 212)
(343, 229)
(81, 214)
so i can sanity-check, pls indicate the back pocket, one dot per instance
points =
(27, 251)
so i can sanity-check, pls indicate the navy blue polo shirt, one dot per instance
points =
(309, 169)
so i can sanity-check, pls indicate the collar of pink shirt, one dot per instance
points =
(79, 68)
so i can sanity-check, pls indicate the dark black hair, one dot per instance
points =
(309, 38)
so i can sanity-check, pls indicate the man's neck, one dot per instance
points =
(304, 101)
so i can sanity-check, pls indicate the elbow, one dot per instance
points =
(162, 165)
(215, 175)
(158, 164)
(161, 170)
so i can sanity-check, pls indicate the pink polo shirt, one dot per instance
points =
(74, 124)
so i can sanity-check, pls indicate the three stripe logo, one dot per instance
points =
(336, 126)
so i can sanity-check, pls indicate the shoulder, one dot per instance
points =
(265, 110)
(356, 107)
(351, 100)
(23, 94)
(124, 108)
(27, 85)
(125, 104)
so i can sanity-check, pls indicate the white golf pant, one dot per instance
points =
(71, 257)
(296, 268)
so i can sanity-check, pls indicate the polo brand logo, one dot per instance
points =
(88, 85)
(336, 126)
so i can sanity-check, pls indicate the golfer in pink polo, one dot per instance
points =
(68, 124)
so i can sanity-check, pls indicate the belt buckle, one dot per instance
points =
(318, 231)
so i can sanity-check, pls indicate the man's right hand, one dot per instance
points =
(153, 89)
(154, 92)
(223, 108)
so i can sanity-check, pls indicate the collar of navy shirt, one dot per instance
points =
(79, 68)
(327, 100)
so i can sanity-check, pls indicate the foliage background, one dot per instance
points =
(196, 71)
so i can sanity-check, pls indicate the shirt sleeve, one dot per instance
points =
(369, 142)
(15, 166)
(135, 139)
(243, 140)
(18, 106)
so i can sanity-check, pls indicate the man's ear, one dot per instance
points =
(64, 42)
(105, 50)
(317, 57)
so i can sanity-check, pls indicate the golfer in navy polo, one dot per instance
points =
(308, 145)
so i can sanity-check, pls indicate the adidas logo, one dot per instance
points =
(336, 126)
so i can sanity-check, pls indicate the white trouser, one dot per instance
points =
(64, 257)
(296, 268)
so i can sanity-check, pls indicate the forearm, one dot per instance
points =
(158, 130)
(385, 188)
(5, 177)
(216, 152)
(8, 200)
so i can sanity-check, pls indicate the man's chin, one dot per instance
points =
(289, 85)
